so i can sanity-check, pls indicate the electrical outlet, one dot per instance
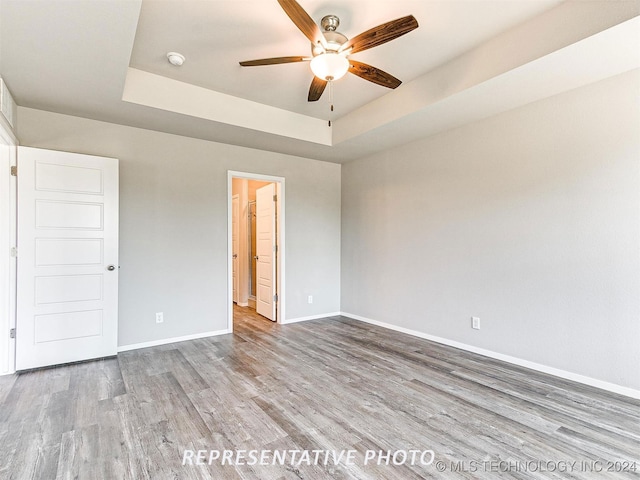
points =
(310, 299)
(475, 323)
(159, 317)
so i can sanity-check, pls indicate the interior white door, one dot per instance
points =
(266, 251)
(235, 239)
(67, 292)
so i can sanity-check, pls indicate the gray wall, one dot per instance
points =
(529, 220)
(173, 222)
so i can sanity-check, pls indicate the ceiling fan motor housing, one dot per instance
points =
(334, 38)
(334, 42)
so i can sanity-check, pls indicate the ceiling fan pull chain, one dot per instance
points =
(331, 97)
(331, 94)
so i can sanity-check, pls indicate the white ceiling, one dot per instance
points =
(106, 60)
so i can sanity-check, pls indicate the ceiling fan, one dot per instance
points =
(330, 49)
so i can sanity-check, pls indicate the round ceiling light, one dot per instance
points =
(330, 66)
(175, 58)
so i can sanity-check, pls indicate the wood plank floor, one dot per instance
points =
(333, 384)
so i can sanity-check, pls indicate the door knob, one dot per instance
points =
(235, 255)
(111, 268)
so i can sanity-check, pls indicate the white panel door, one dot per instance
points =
(67, 296)
(265, 250)
(235, 240)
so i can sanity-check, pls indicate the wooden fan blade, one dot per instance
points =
(303, 21)
(373, 74)
(381, 34)
(274, 61)
(315, 90)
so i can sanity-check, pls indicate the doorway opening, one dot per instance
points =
(256, 235)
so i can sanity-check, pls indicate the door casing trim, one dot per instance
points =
(9, 220)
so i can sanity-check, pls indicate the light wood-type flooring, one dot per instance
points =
(329, 385)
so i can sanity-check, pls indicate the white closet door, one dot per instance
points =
(235, 230)
(266, 250)
(67, 296)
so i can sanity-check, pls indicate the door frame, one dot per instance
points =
(8, 222)
(280, 259)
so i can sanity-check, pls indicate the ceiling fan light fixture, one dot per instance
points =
(330, 66)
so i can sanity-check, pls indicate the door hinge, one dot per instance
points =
(12, 333)
(275, 198)
(14, 252)
(275, 248)
(275, 298)
(14, 171)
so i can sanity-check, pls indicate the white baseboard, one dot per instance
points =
(611, 387)
(165, 341)
(312, 317)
